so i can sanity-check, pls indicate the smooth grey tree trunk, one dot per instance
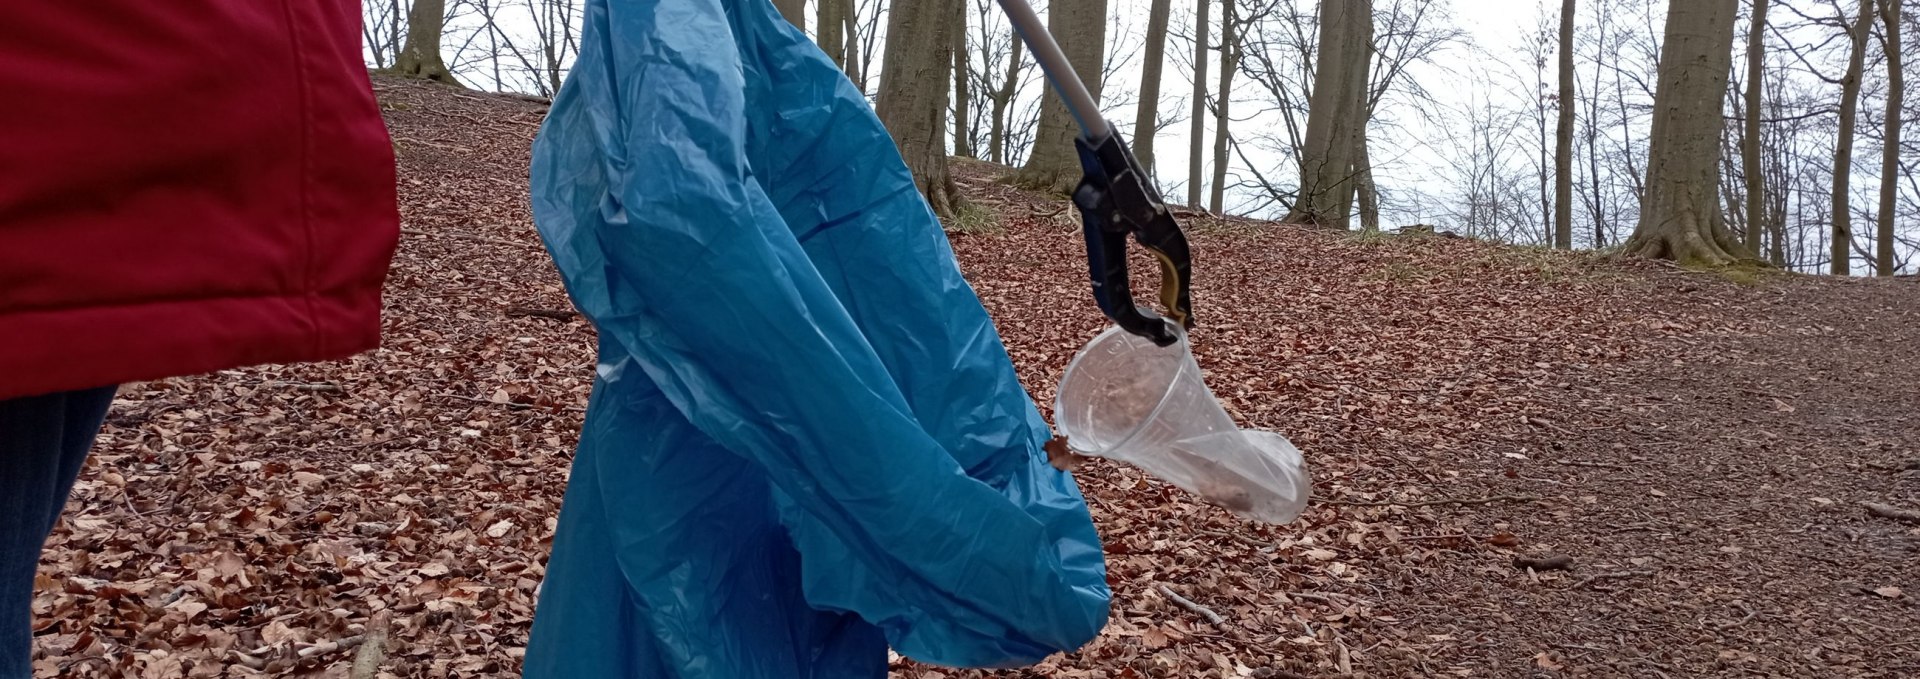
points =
(1563, 137)
(832, 31)
(420, 58)
(1229, 62)
(962, 77)
(1890, 144)
(997, 137)
(1080, 28)
(1750, 139)
(794, 10)
(1338, 105)
(1841, 257)
(1197, 130)
(1679, 217)
(913, 95)
(1146, 119)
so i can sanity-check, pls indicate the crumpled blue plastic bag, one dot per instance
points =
(806, 441)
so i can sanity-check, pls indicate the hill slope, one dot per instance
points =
(1698, 447)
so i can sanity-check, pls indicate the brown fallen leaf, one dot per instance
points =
(1062, 457)
(1503, 539)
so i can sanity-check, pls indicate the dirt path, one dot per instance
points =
(1707, 441)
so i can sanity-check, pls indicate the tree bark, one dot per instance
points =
(832, 31)
(1678, 218)
(1327, 158)
(1750, 140)
(1890, 144)
(1229, 62)
(421, 56)
(962, 76)
(855, 66)
(1080, 28)
(1563, 137)
(1197, 131)
(1146, 120)
(913, 96)
(794, 10)
(1841, 256)
(1369, 192)
(997, 135)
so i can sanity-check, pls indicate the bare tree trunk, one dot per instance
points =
(1229, 62)
(1146, 120)
(1369, 193)
(855, 66)
(1890, 151)
(1841, 257)
(962, 76)
(1678, 218)
(1327, 161)
(997, 137)
(421, 56)
(1080, 28)
(1563, 137)
(913, 96)
(794, 10)
(1750, 141)
(1198, 124)
(831, 18)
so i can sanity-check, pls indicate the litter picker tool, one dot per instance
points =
(1116, 199)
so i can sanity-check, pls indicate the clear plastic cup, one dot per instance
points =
(1127, 400)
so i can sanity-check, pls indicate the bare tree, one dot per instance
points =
(1146, 119)
(913, 96)
(1079, 27)
(1750, 138)
(1229, 63)
(794, 10)
(1680, 219)
(962, 77)
(1339, 82)
(1563, 136)
(420, 57)
(1842, 243)
(830, 19)
(1890, 142)
(1198, 134)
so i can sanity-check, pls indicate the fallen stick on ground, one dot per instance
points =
(555, 314)
(1550, 562)
(1601, 465)
(1737, 623)
(366, 663)
(1430, 503)
(1891, 512)
(1188, 604)
(1582, 582)
(331, 646)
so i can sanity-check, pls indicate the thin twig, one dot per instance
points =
(510, 405)
(1737, 623)
(1430, 503)
(1891, 512)
(1550, 425)
(1600, 465)
(1188, 604)
(555, 314)
(304, 386)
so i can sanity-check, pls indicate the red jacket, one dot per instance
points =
(186, 186)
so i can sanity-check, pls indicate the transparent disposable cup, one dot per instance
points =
(1125, 399)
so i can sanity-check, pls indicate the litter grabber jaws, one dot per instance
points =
(1116, 200)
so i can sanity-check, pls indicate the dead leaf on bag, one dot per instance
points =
(1062, 457)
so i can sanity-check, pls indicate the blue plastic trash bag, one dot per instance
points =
(806, 441)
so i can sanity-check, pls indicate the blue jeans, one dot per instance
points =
(43, 441)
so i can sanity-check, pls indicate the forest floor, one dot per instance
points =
(1698, 446)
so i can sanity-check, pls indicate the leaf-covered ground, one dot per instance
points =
(1698, 449)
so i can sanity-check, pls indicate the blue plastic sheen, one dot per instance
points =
(806, 441)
